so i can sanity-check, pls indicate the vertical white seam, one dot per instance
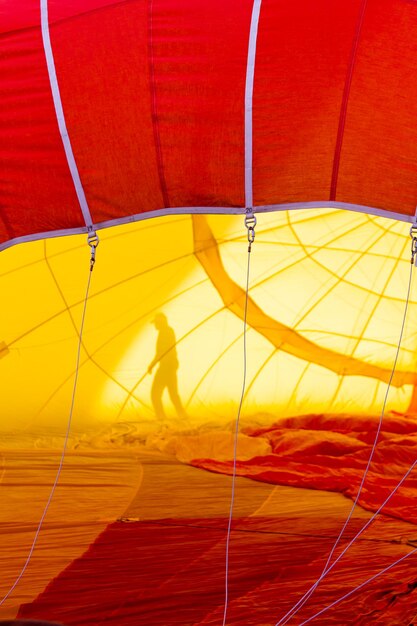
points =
(60, 115)
(250, 73)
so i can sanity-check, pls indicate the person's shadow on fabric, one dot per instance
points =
(166, 375)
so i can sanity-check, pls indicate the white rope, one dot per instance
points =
(366, 582)
(368, 523)
(59, 111)
(61, 462)
(250, 76)
(327, 567)
(251, 235)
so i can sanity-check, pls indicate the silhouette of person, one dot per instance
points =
(166, 374)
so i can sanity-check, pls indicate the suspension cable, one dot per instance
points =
(93, 242)
(328, 565)
(365, 582)
(250, 223)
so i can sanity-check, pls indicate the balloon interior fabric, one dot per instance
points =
(117, 110)
(121, 386)
(322, 332)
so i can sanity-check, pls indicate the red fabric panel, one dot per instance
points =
(153, 95)
(172, 573)
(301, 64)
(331, 453)
(379, 153)
(130, 575)
(36, 190)
(200, 73)
(142, 90)
(69, 9)
(102, 63)
(14, 18)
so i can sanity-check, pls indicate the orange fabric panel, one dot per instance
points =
(154, 569)
(94, 488)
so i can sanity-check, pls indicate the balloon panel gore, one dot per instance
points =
(163, 336)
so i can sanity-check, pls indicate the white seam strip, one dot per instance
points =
(60, 115)
(250, 73)
(334, 204)
(209, 210)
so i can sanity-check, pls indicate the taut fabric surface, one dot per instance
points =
(153, 95)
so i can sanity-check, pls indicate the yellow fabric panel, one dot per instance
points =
(326, 305)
